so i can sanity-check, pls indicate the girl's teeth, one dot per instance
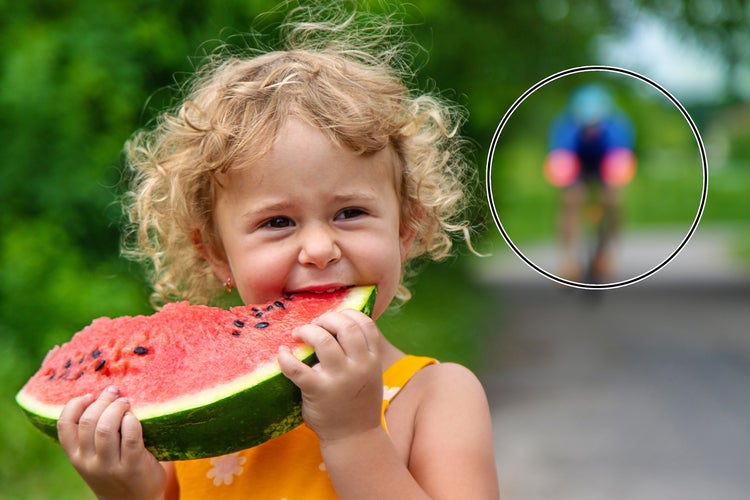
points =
(319, 292)
(330, 290)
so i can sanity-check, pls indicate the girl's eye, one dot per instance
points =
(349, 213)
(278, 222)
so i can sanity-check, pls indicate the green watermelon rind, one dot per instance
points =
(265, 410)
(239, 415)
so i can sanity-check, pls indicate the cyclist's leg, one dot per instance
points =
(609, 225)
(572, 200)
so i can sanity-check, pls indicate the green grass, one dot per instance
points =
(446, 318)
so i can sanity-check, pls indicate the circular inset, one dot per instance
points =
(562, 174)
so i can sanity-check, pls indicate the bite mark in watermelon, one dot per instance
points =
(203, 381)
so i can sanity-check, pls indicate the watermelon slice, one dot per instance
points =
(203, 381)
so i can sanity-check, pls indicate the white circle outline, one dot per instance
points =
(496, 137)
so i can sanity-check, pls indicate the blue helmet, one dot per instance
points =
(590, 103)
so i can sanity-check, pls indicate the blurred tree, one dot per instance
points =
(73, 82)
(719, 25)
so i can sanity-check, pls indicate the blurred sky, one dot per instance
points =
(687, 69)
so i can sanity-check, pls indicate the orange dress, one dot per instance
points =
(288, 467)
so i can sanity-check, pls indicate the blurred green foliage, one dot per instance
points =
(77, 77)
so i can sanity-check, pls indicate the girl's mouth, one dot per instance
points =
(320, 289)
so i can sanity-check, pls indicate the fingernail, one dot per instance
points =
(123, 400)
(113, 389)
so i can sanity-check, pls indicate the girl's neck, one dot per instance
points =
(389, 353)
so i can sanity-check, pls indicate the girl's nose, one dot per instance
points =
(318, 247)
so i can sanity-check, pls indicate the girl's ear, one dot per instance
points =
(213, 255)
(406, 238)
(408, 230)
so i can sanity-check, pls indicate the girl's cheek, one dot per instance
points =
(263, 279)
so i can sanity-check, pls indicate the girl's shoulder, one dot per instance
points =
(439, 400)
(449, 380)
(441, 385)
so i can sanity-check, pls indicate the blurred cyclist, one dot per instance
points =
(590, 152)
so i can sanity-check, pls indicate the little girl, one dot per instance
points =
(306, 169)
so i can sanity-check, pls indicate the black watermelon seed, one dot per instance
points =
(262, 324)
(236, 333)
(68, 363)
(259, 315)
(140, 350)
(80, 375)
(96, 353)
(279, 304)
(255, 309)
(269, 308)
(239, 323)
(80, 362)
(100, 365)
(51, 377)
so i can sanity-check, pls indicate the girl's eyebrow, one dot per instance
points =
(265, 209)
(277, 206)
(354, 196)
(281, 206)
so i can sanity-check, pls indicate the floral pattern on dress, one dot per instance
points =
(225, 467)
(389, 392)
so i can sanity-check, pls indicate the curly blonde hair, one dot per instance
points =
(339, 76)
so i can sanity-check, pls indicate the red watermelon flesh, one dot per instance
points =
(192, 373)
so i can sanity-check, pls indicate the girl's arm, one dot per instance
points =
(172, 488)
(104, 442)
(451, 453)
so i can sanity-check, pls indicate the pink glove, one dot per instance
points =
(618, 167)
(561, 168)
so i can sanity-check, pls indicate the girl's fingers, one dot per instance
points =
(367, 327)
(67, 424)
(327, 350)
(89, 420)
(323, 341)
(294, 369)
(132, 440)
(353, 331)
(107, 434)
(338, 339)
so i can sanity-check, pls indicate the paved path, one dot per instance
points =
(706, 257)
(638, 393)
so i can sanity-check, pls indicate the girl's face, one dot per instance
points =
(310, 216)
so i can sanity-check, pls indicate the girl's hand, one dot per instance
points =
(342, 395)
(104, 442)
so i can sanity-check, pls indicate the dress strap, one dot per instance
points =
(397, 375)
